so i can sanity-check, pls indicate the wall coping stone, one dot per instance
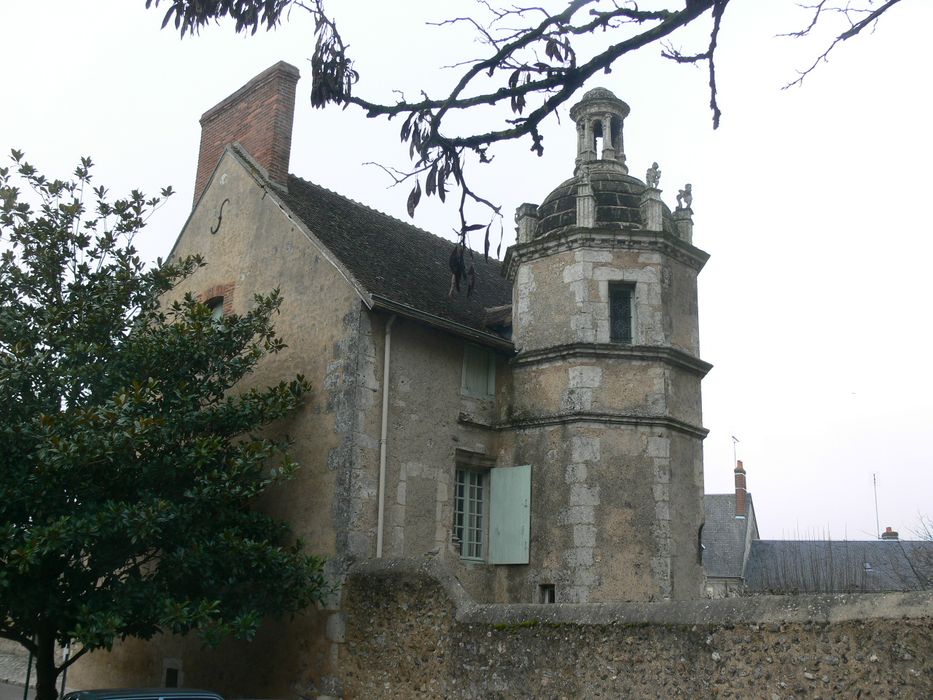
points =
(752, 610)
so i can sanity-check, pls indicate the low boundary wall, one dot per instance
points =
(407, 629)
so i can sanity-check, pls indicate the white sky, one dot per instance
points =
(815, 305)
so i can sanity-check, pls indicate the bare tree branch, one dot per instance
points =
(854, 29)
(534, 57)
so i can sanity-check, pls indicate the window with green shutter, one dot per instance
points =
(479, 372)
(501, 498)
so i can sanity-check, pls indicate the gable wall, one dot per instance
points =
(255, 250)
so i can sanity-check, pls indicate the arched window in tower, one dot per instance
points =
(598, 140)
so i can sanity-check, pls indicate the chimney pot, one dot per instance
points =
(259, 116)
(889, 534)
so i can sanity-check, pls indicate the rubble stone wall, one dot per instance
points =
(410, 631)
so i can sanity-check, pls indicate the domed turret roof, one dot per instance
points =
(618, 203)
(598, 93)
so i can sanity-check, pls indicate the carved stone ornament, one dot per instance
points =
(685, 197)
(653, 176)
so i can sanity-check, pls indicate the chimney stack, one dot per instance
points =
(259, 116)
(741, 506)
(889, 534)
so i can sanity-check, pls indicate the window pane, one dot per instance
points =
(468, 513)
(620, 313)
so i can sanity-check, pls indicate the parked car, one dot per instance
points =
(143, 694)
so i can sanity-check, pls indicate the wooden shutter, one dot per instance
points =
(479, 372)
(509, 514)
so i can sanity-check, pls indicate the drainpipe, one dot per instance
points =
(382, 437)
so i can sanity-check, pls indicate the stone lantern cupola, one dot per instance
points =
(599, 117)
(601, 194)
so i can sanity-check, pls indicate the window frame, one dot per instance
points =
(474, 479)
(616, 289)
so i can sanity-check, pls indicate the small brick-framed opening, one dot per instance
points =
(219, 295)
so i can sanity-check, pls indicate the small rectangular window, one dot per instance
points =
(469, 512)
(479, 372)
(547, 593)
(216, 305)
(621, 298)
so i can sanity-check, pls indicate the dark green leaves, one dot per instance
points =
(130, 452)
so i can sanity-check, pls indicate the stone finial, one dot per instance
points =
(685, 197)
(653, 176)
(526, 218)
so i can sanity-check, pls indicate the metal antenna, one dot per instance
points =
(734, 456)
(874, 481)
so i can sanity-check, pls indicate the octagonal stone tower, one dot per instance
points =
(606, 382)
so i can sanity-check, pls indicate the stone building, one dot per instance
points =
(540, 439)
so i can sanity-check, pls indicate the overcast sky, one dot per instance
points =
(814, 204)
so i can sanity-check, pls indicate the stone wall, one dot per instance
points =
(411, 632)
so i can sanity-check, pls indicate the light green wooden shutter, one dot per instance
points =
(509, 514)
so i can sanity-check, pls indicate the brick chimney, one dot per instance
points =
(741, 506)
(889, 534)
(259, 116)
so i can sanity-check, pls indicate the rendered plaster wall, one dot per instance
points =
(330, 502)
(407, 636)
(429, 420)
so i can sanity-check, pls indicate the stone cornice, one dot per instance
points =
(603, 239)
(605, 419)
(646, 353)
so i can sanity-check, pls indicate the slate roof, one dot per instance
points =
(396, 260)
(789, 566)
(618, 203)
(724, 535)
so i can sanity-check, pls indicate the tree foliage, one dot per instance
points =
(127, 466)
(534, 58)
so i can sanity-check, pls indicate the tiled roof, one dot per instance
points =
(724, 535)
(789, 566)
(396, 260)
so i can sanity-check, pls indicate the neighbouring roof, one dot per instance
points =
(395, 260)
(724, 535)
(874, 566)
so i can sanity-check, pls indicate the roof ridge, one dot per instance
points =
(407, 224)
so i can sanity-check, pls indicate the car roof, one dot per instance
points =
(143, 694)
